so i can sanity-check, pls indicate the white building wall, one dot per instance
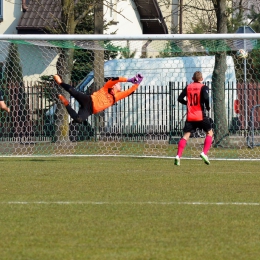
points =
(12, 12)
(36, 62)
(124, 19)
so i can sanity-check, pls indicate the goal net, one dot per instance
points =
(147, 123)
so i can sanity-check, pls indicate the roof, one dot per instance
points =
(39, 17)
(151, 17)
(43, 14)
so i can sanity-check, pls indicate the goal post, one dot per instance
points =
(147, 123)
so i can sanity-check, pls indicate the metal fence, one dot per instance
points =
(151, 112)
(155, 112)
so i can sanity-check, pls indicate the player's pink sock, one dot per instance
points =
(207, 144)
(181, 145)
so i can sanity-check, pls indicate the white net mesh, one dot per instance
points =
(147, 123)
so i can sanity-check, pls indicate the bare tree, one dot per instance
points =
(199, 17)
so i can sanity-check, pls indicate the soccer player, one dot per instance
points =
(197, 100)
(105, 97)
(3, 106)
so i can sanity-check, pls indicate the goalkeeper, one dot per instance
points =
(105, 97)
(197, 100)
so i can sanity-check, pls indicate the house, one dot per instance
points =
(131, 17)
(125, 17)
(10, 14)
(182, 16)
(187, 14)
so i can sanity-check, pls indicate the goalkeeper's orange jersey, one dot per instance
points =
(102, 99)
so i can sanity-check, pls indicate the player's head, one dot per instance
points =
(197, 76)
(116, 88)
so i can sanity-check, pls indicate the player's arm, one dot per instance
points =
(110, 83)
(3, 106)
(126, 93)
(205, 96)
(182, 96)
(136, 81)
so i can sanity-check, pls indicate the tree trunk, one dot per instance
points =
(99, 66)
(218, 93)
(64, 67)
(221, 133)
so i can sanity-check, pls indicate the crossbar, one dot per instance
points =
(225, 36)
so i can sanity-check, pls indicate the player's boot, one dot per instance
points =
(57, 79)
(64, 101)
(205, 158)
(177, 161)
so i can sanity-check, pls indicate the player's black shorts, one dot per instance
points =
(191, 126)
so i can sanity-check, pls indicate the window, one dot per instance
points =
(1, 10)
(111, 9)
(112, 12)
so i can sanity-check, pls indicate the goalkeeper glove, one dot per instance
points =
(136, 80)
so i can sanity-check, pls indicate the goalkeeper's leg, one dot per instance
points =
(79, 96)
(74, 115)
(84, 111)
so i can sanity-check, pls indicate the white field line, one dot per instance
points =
(126, 156)
(133, 203)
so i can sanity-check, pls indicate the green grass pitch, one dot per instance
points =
(68, 208)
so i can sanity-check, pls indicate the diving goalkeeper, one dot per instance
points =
(105, 97)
